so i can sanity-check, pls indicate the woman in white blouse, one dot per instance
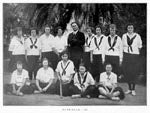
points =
(132, 44)
(60, 42)
(33, 52)
(17, 49)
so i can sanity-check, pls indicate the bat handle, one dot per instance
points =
(61, 89)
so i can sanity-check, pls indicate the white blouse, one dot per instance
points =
(135, 46)
(88, 80)
(68, 68)
(88, 43)
(112, 79)
(17, 46)
(98, 44)
(33, 46)
(18, 79)
(44, 76)
(60, 43)
(47, 43)
(116, 50)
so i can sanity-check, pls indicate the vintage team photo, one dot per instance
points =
(72, 54)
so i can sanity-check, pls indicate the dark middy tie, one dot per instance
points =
(84, 79)
(86, 41)
(130, 41)
(20, 41)
(64, 69)
(114, 43)
(98, 44)
(33, 44)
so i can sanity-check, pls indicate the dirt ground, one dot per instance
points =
(55, 100)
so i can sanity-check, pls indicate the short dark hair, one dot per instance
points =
(17, 29)
(47, 26)
(44, 59)
(112, 26)
(64, 52)
(19, 62)
(108, 64)
(98, 26)
(130, 24)
(34, 28)
(75, 23)
(89, 27)
(82, 64)
(59, 27)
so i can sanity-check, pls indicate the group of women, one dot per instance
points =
(88, 56)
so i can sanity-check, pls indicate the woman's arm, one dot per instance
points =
(38, 86)
(14, 89)
(24, 81)
(49, 84)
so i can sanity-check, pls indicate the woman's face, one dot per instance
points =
(60, 32)
(98, 31)
(45, 63)
(130, 29)
(82, 69)
(65, 57)
(108, 68)
(112, 31)
(19, 67)
(33, 33)
(89, 32)
(19, 33)
(47, 30)
(74, 27)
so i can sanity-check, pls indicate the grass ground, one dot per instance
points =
(54, 100)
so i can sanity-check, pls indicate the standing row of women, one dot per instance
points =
(93, 50)
(122, 53)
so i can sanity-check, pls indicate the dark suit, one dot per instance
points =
(75, 47)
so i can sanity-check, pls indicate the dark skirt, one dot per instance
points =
(130, 67)
(86, 60)
(52, 58)
(25, 89)
(14, 59)
(33, 65)
(114, 61)
(97, 67)
(76, 57)
(50, 90)
(121, 96)
(66, 88)
(90, 90)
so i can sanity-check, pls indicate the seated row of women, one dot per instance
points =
(65, 81)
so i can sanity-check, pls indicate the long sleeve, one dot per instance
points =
(103, 48)
(77, 40)
(12, 44)
(76, 82)
(139, 42)
(81, 40)
(69, 41)
(124, 41)
(26, 44)
(120, 49)
(26, 74)
(89, 80)
(12, 81)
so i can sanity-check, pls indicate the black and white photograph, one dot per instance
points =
(74, 54)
